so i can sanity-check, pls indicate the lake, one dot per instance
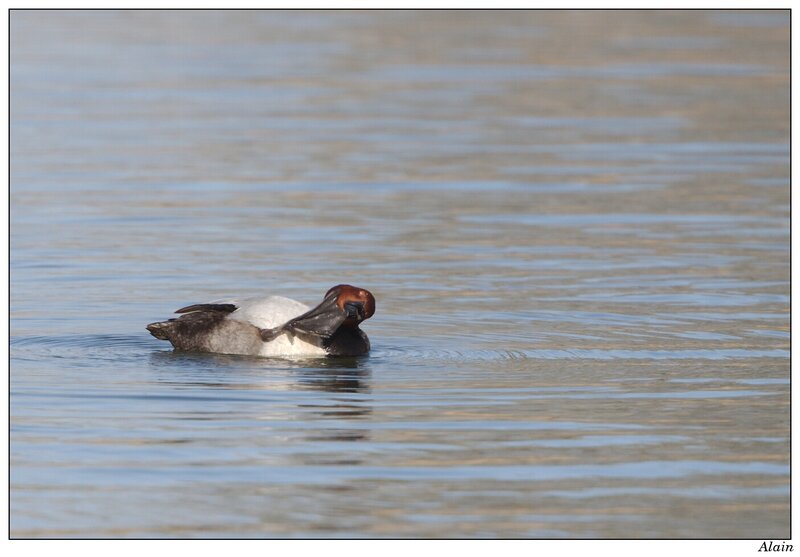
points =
(576, 226)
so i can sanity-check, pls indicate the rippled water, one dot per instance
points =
(576, 226)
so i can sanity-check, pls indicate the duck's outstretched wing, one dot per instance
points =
(319, 322)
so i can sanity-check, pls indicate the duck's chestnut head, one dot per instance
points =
(343, 307)
(356, 303)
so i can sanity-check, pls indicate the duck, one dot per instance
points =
(274, 326)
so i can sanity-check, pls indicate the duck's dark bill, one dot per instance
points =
(354, 310)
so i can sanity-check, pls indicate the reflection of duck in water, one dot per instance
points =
(333, 389)
(274, 326)
(343, 377)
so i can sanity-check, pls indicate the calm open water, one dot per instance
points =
(576, 226)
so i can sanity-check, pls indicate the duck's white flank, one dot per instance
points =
(270, 312)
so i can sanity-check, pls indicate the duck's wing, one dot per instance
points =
(320, 322)
(224, 308)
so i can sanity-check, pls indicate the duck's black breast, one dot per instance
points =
(347, 341)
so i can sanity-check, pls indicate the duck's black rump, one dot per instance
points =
(208, 330)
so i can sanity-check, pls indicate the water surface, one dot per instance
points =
(576, 226)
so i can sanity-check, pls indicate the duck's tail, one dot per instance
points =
(208, 331)
(161, 330)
